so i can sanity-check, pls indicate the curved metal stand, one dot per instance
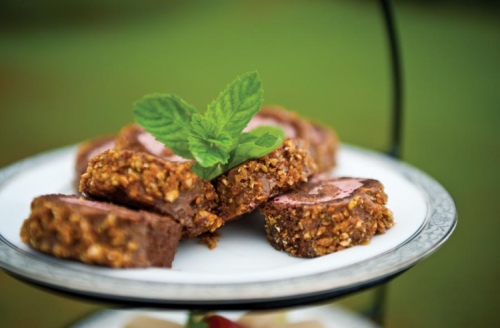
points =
(377, 311)
(397, 80)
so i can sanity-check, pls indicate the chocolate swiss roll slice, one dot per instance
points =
(246, 186)
(324, 144)
(144, 181)
(327, 215)
(323, 141)
(100, 233)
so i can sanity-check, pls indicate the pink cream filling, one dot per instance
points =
(152, 145)
(175, 158)
(321, 177)
(257, 121)
(343, 189)
(155, 147)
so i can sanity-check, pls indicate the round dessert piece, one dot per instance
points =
(134, 137)
(100, 233)
(326, 216)
(148, 182)
(245, 187)
(324, 142)
(89, 149)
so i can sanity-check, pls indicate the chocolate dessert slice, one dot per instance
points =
(324, 144)
(323, 141)
(100, 233)
(243, 188)
(148, 182)
(327, 215)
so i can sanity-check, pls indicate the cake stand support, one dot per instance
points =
(377, 311)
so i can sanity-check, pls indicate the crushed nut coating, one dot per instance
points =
(210, 239)
(145, 181)
(243, 188)
(315, 229)
(100, 233)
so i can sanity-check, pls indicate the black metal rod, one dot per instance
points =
(378, 310)
(397, 80)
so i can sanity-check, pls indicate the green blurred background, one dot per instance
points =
(69, 72)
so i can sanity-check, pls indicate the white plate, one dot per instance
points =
(243, 268)
(330, 316)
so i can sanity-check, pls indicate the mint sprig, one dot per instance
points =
(215, 140)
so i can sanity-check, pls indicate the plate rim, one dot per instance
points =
(438, 226)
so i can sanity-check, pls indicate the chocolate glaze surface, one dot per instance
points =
(321, 191)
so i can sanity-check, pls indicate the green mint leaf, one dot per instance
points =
(267, 140)
(208, 173)
(207, 130)
(207, 152)
(204, 127)
(261, 134)
(224, 141)
(167, 117)
(256, 143)
(236, 105)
